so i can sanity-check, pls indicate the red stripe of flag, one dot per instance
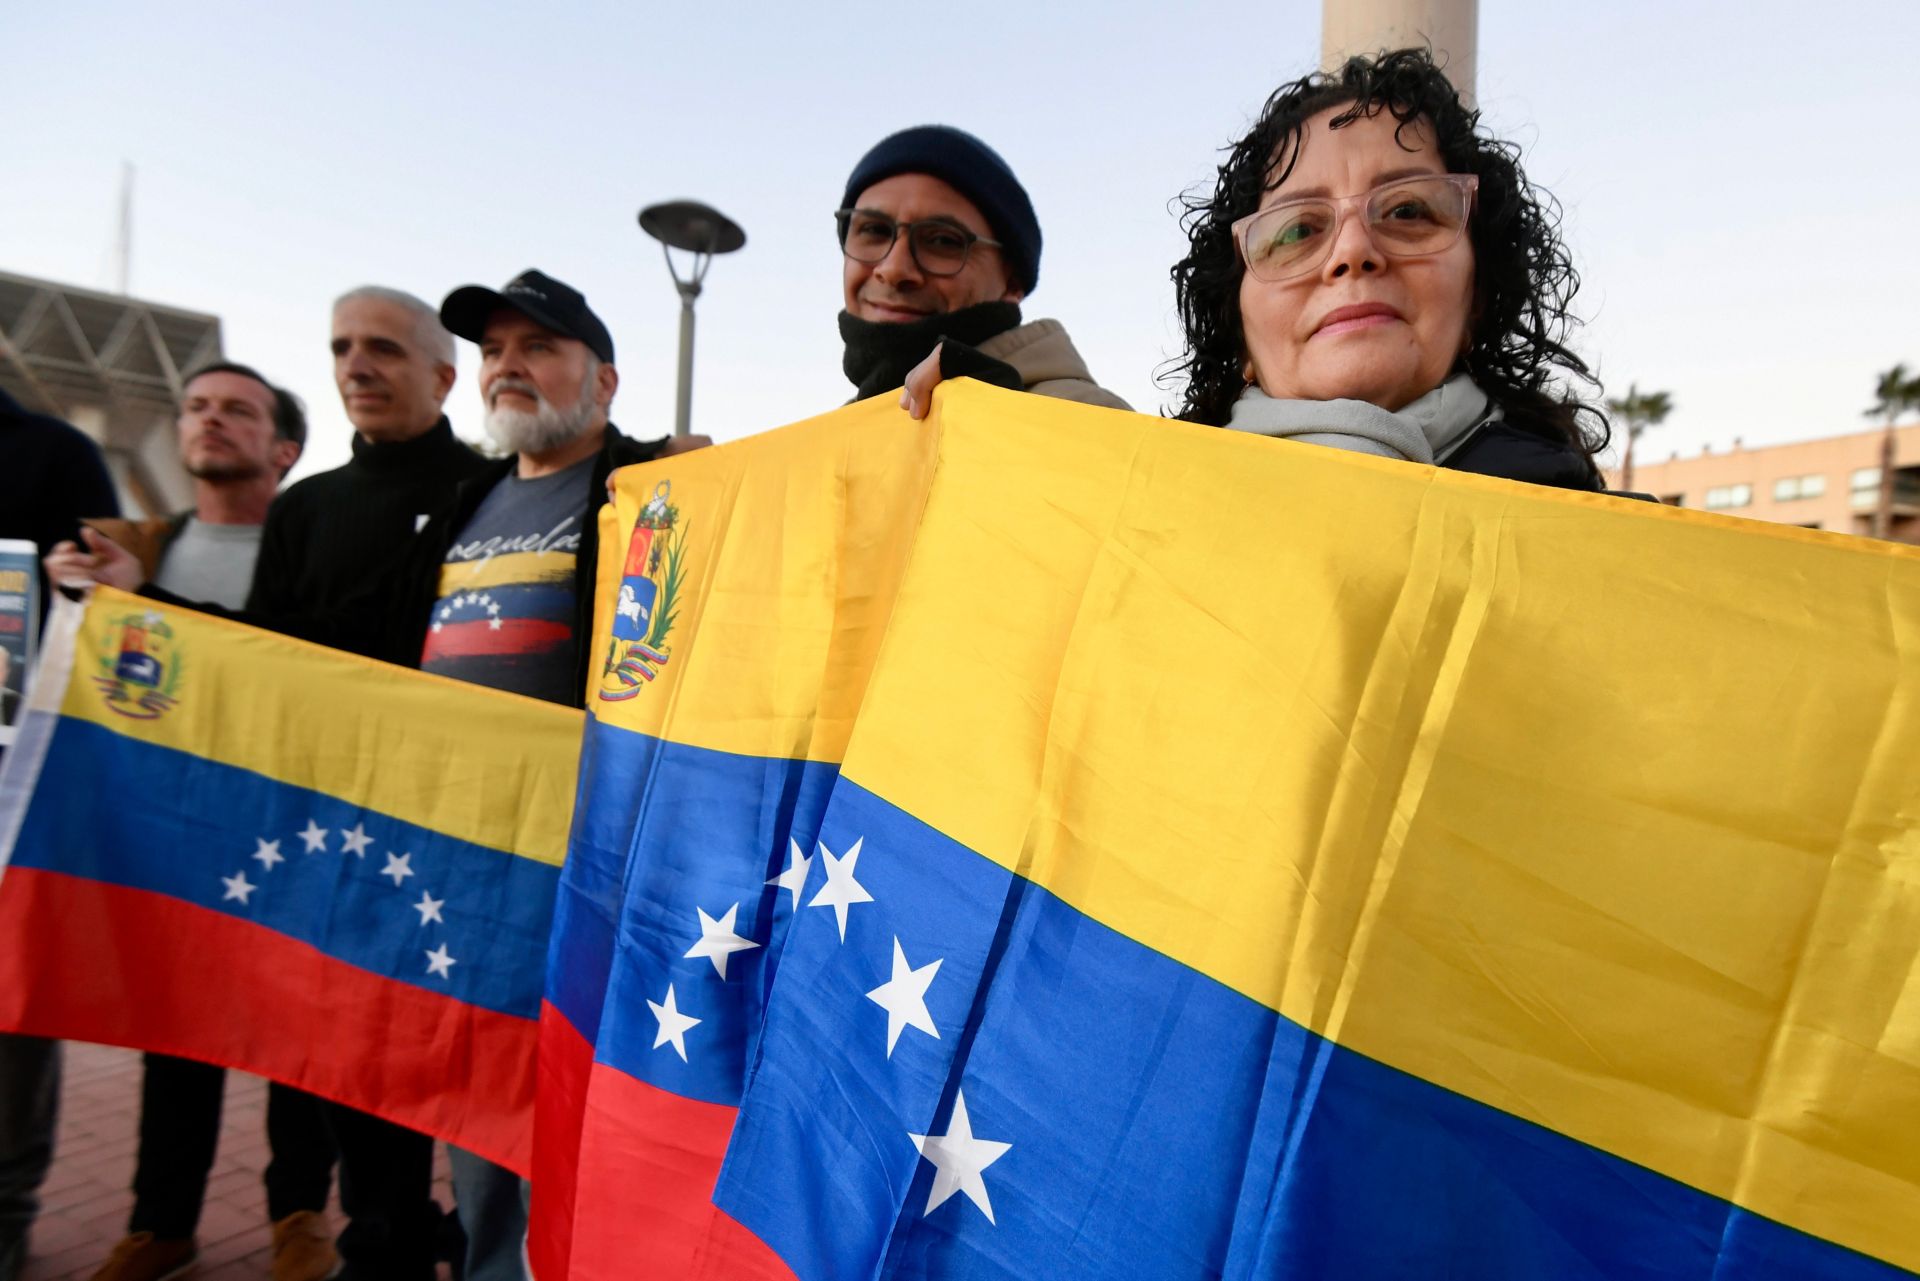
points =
(513, 636)
(643, 1200)
(87, 961)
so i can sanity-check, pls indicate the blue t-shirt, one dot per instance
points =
(506, 608)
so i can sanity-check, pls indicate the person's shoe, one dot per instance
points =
(142, 1256)
(303, 1248)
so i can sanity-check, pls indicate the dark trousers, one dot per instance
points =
(180, 1130)
(386, 1189)
(29, 1103)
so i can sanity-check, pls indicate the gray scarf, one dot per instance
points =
(1427, 431)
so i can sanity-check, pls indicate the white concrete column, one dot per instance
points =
(1452, 27)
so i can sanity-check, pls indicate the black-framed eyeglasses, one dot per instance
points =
(939, 245)
(1412, 217)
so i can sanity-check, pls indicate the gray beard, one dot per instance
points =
(540, 431)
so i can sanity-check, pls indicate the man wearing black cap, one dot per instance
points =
(941, 247)
(511, 592)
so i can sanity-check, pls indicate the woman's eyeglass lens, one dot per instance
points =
(1411, 218)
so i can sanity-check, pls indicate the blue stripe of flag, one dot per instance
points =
(117, 810)
(1161, 1125)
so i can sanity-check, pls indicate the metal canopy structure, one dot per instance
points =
(111, 366)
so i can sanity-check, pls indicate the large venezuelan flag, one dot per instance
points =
(1246, 859)
(229, 845)
(765, 576)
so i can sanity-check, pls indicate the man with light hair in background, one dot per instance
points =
(332, 545)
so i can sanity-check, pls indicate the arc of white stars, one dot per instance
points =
(673, 1024)
(268, 852)
(958, 1160)
(356, 841)
(439, 962)
(429, 908)
(238, 887)
(718, 941)
(794, 878)
(399, 867)
(904, 997)
(315, 836)
(841, 891)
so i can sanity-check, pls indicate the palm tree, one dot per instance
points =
(1894, 393)
(1638, 411)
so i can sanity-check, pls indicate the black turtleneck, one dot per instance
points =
(334, 543)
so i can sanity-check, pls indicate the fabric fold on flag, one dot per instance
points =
(743, 594)
(229, 845)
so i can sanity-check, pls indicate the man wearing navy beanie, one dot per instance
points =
(941, 247)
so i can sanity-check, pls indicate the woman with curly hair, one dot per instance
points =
(1373, 272)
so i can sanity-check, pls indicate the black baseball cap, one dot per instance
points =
(539, 297)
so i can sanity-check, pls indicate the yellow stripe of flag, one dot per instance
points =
(509, 568)
(795, 540)
(368, 733)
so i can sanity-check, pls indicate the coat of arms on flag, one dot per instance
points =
(646, 599)
(139, 672)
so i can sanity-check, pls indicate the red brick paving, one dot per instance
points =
(88, 1193)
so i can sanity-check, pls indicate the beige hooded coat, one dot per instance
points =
(1047, 363)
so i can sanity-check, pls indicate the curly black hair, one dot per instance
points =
(1524, 279)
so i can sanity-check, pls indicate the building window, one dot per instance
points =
(1721, 497)
(1789, 488)
(1866, 478)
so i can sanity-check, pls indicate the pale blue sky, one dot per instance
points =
(1739, 181)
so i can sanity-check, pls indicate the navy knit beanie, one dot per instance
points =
(976, 171)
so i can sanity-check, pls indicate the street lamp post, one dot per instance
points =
(703, 231)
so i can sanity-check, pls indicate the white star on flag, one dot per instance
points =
(315, 836)
(493, 607)
(718, 940)
(794, 879)
(438, 962)
(445, 614)
(399, 867)
(958, 1158)
(268, 853)
(841, 891)
(493, 624)
(429, 908)
(356, 841)
(904, 997)
(238, 887)
(673, 1024)
(436, 627)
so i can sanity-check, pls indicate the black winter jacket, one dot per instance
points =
(1501, 449)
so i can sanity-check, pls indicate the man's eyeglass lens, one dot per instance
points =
(1407, 219)
(939, 247)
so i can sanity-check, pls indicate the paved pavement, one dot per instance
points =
(89, 1191)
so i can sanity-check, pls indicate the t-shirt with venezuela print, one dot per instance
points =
(506, 608)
